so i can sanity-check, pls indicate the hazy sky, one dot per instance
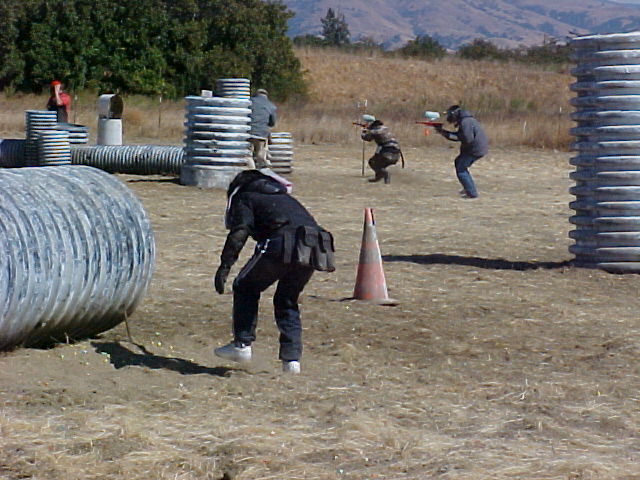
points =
(637, 2)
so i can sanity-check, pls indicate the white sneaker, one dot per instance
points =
(291, 367)
(234, 353)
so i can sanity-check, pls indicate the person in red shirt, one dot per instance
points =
(59, 102)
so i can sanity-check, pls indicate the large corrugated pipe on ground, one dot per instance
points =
(132, 159)
(607, 175)
(76, 254)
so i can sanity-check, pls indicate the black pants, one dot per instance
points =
(380, 161)
(260, 272)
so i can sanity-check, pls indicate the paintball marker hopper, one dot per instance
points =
(366, 119)
(431, 118)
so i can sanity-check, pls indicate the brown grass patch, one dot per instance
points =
(500, 361)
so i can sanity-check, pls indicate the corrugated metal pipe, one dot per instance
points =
(280, 152)
(77, 254)
(132, 159)
(607, 175)
(12, 153)
(233, 87)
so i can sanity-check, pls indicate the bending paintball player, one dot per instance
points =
(290, 246)
(473, 145)
(387, 151)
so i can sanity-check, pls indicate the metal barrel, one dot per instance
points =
(77, 254)
(12, 153)
(607, 132)
(131, 159)
(280, 152)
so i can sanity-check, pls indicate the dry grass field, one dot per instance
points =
(519, 105)
(500, 361)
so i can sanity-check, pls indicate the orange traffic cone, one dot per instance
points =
(370, 282)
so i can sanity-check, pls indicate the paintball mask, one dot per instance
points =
(452, 113)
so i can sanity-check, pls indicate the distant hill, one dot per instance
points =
(507, 23)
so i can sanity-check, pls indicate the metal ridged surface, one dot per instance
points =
(233, 87)
(216, 131)
(132, 159)
(36, 121)
(78, 134)
(77, 254)
(607, 175)
(54, 148)
(12, 153)
(281, 152)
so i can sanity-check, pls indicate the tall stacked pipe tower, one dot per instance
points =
(607, 174)
(216, 142)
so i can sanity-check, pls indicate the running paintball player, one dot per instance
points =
(473, 145)
(387, 151)
(290, 246)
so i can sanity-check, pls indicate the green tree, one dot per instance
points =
(423, 46)
(335, 29)
(147, 46)
(482, 50)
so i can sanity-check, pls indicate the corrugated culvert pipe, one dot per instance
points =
(78, 134)
(77, 254)
(281, 152)
(233, 87)
(216, 140)
(12, 153)
(54, 148)
(607, 175)
(36, 122)
(131, 159)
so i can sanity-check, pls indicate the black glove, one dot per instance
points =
(438, 128)
(221, 278)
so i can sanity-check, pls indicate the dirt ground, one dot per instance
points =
(501, 361)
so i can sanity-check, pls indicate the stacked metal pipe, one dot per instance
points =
(36, 121)
(132, 159)
(281, 152)
(54, 148)
(216, 132)
(77, 254)
(607, 175)
(78, 134)
(233, 87)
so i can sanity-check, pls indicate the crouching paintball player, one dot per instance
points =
(387, 150)
(473, 145)
(290, 246)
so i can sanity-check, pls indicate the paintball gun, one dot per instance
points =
(430, 121)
